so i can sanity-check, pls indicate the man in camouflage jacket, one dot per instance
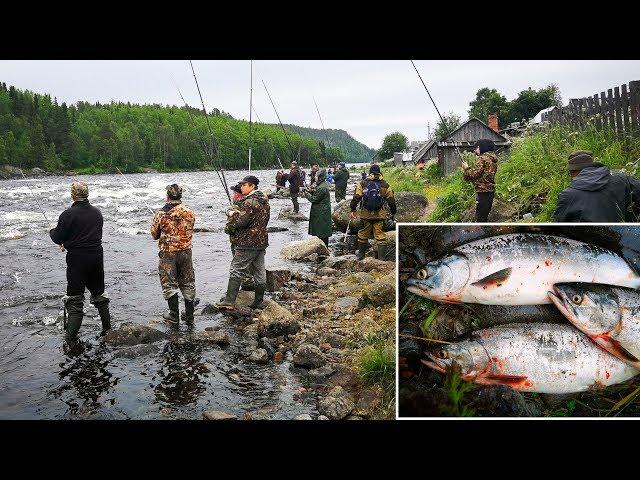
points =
(247, 226)
(482, 176)
(173, 227)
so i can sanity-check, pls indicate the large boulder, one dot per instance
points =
(289, 214)
(211, 336)
(309, 356)
(382, 291)
(277, 278)
(344, 262)
(304, 249)
(133, 334)
(277, 321)
(8, 171)
(337, 405)
(37, 172)
(412, 207)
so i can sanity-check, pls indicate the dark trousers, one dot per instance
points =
(85, 269)
(484, 201)
(296, 205)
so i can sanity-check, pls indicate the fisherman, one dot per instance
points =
(279, 180)
(79, 232)
(341, 177)
(482, 176)
(294, 177)
(320, 223)
(312, 176)
(236, 196)
(597, 195)
(173, 227)
(372, 194)
(249, 226)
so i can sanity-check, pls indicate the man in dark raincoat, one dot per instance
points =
(320, 224)
(341, 177)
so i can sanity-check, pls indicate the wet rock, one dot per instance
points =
(502, 401)
(335, 340)
(218, 415)
(337, 404)
(276, 229)
(137, 350)
(239, 311)
(382, 291)
(412, 207)
(251, 331)
(346, 305)
(259, 355)
(344, 376)
(133, 334)
(289, 214)
(321, 373)
(277, 278)
(304, 249)
(371, 264)
(344, 262)
(215, 336)
(326, 271)
(303, 416)
(308, 356)
(276, 321)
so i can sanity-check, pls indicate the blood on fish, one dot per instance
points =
(548, 262)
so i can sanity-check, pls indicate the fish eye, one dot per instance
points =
(422, 274)
(442, 354)
(577, 299)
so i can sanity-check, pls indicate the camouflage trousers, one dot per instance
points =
(247, 262)
(369, 227)
(176, 274)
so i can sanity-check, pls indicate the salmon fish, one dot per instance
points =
(518, 269)
(535, 357)
(610, 316)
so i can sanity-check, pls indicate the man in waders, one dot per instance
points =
(248, 226)
(173, 227)
(79, 232)
(340, 178)
(372, 194)
(295, 182)
(482, 176)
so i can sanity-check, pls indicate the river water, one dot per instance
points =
(37, 379)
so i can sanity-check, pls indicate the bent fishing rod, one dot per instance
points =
(134, 190)
(321, 122)
(444, 124)
(250, 116)
(213, 143)
(293, 152)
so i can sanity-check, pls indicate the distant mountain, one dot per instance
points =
(353, 150)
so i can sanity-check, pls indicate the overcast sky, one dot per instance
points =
(368, 99)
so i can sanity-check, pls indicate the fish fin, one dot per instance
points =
(495, 279)
(613, 346)
(501, 379)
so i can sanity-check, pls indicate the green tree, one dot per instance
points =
(529, 102)
(488, 100)
(452, 122)
(394, 142)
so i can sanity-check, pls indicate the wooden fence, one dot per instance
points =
(618, 110)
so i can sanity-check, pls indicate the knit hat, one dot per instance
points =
(374, 169)
(79, 190)
(174, 191)
(250, 179)
(580, 159)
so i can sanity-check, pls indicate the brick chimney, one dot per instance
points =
(492, 122)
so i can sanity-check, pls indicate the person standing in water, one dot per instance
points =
(320, 224)
(79, 232)
(341, 177)
(173, 227)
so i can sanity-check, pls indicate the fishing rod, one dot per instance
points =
(125, 179)
(444, 124)
(250, 118)
(36, 199)
(293, 152)
(279, 162)
(213, 143)
(321, 122)
(206, 151)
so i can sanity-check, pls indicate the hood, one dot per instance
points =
(374, 176)
(592, 179)
(171, 205)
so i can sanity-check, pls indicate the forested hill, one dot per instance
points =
(353, 150)
(36, 131)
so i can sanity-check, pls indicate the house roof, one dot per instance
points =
(422, 150)
(449, 138)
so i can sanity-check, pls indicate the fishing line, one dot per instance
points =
(293, 152)
(134, 191)
(36, 200)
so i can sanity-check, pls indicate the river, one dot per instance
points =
(38, 381)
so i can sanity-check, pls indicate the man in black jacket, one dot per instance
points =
(79, 232)
(596, 195)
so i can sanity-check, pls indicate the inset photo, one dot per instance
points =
(499, 320)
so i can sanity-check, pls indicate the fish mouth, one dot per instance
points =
(558, 299)
(435, 363)
(416, 289)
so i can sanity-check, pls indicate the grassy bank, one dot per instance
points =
(529, 179)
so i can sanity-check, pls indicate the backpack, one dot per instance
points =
(372, 199)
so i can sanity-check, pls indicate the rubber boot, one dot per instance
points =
(362, 249)
(188, 311)
(74, 306)
(258, 302)
(102, 304)
(383, 251)
(229, 300)
(173, 315)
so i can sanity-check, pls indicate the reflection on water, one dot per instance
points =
(181, 375)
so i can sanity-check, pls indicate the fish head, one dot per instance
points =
(468, 354)
(592, 308)
(441, 279)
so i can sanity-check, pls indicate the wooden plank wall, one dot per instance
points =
(617, 109)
